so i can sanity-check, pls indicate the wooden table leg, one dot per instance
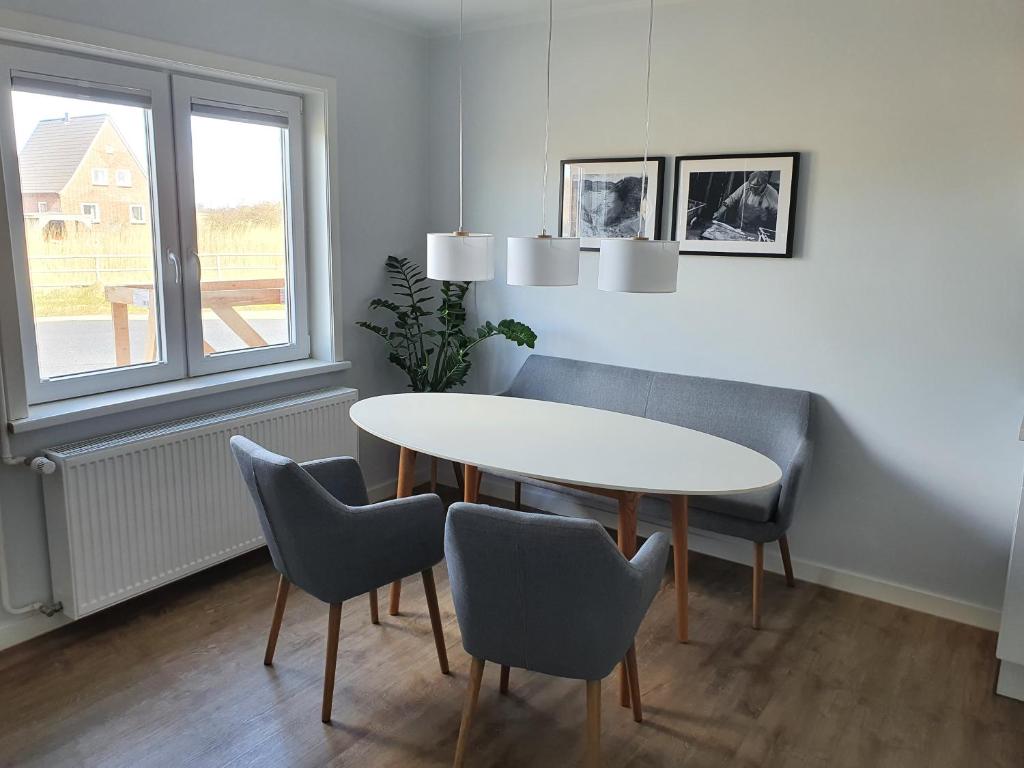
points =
(122, 339)
(681, 564)
(406, 478)
(628, 505)
(470, 484)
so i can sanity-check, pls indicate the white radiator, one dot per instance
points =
(129, 512)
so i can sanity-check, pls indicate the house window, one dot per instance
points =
(42, 207)
(214, 280)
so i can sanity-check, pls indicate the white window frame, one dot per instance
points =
(66, 73)
(141, 218)
(322, 146)
(100, 177)
(42, 207)
(244, 104)
(94, 217)
(125, 174)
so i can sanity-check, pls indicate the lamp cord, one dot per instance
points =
(647, 125)
(462, 4)
(547, 127)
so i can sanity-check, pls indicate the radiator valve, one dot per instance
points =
(42, 466)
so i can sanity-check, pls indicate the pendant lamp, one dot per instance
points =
(543, 259)
(460, 256)
(640, 265)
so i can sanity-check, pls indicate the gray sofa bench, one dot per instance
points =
(771, 420)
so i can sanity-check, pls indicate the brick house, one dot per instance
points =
(81, 169)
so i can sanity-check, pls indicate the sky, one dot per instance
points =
(234, 163)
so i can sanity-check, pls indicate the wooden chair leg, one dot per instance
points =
(479, 479)
(476, 673)
(331, 663)
(634, 684)
(593, 753)
(433, 474)
(758, 582)
(275, 624)
(457, 469)
(435, 619)
(786, 562)
(519, 495)
(681, 564)
(374, 610)
(503, 682)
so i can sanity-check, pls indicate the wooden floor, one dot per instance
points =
(176, 678)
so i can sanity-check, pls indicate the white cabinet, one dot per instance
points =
(1011, 633)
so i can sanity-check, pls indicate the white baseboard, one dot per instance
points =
(25, 627)
(738, 551)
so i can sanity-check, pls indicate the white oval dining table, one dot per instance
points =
(612, 454)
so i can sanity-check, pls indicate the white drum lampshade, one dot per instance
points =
(543, 260)
(638, 266)
(460, 257)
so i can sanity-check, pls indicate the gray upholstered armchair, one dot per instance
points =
(548, 594)
(325, 538)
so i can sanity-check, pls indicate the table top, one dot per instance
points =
(566, 443)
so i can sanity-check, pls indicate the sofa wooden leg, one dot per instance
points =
(331, 662)
(503, 681)
(374, 609)
(275, 624)
(758, 582)
(476, 673)
(787, 563)
(593, 753)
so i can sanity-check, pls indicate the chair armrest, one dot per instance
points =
(341, 477)
(650, 562)
(413, 525)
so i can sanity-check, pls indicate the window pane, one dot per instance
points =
(94, 302)
(240, 177)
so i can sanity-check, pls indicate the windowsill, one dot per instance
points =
(80, 408)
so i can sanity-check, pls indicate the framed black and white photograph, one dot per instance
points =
(601, 198)
(736, 205)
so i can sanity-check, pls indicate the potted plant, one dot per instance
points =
(427, 338)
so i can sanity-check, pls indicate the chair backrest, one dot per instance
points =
(298, 516)
(545, 593)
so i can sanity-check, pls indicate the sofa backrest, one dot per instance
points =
(770, 420)
(594, 385)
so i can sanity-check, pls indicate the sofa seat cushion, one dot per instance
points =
(755, 507)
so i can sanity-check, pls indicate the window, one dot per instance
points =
(91, 212)
(213, 280)
(42, 207)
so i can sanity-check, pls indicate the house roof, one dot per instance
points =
(54, 151)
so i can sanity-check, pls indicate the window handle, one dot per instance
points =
(199, 265)
(173, 258)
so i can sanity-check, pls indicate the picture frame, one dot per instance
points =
(599, 198)
(736, 204)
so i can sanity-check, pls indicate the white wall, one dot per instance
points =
(903, 307)
(382, 87)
